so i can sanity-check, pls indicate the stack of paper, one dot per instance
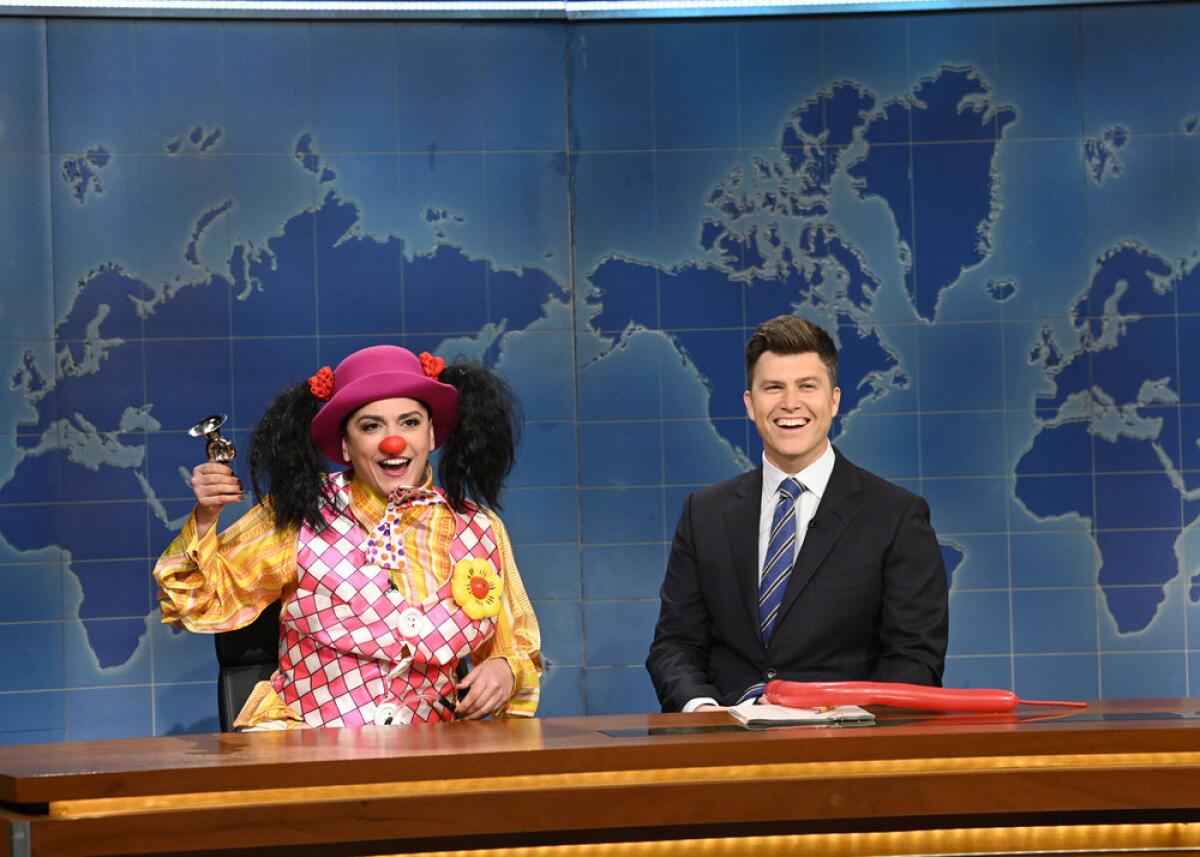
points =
(753, 713)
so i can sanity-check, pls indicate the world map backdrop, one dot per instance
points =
(998, 213)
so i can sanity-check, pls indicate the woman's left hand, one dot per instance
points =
(488, 686)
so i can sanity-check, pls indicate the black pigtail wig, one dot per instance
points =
(479, 454)
(285, 464)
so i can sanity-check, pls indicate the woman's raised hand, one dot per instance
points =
(215, 487)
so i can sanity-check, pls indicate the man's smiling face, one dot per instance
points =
(792, 402)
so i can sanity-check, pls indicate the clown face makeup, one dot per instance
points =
(371, 443)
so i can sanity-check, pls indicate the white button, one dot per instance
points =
(385, 714)
(412, 622)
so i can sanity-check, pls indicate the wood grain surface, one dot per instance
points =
(604, 779)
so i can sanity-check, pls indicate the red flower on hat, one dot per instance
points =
(431, 366)
(321, 384)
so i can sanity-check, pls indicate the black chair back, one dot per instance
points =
(245, 657)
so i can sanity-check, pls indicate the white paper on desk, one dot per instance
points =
(753, 713)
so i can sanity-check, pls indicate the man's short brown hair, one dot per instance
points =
(791, 334)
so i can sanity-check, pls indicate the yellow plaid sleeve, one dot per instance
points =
(517, 639)
(214, 583)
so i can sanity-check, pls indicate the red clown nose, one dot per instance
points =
(392, 445)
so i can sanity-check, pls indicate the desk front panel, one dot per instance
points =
(585, 782)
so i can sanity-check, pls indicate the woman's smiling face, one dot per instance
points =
(387, 466)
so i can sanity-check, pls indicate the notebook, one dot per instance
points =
(752, 713)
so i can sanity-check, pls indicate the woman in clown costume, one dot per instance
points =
(387, 581)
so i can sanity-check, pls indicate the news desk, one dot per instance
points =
(1119, 775)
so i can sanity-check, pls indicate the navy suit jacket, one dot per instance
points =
(866, 600)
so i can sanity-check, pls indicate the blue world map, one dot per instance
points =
(1015, 314)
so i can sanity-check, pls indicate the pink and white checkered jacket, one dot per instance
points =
(352, 650)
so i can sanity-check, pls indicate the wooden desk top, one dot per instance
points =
(41, 773)
(615, 779)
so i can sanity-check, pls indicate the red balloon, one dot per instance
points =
(393, 445)
(816, 694)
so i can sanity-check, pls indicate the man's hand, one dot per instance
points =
(215, 486)
(489, 686)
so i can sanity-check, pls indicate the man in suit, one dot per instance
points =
(808, 568)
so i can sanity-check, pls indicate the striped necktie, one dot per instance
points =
(777, 566)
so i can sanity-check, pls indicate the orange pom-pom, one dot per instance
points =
(431, 366)
(321, 384)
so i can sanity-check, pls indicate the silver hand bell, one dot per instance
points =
(219, 449)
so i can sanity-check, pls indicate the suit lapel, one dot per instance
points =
(839, 504)
(741, 523)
